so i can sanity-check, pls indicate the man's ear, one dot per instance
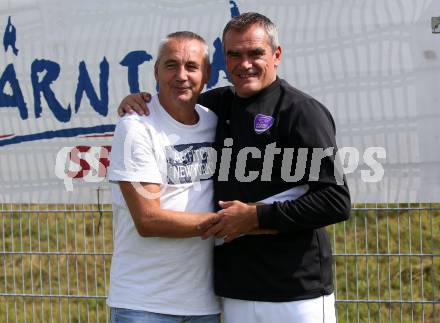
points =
(277, 56)
(208, 72)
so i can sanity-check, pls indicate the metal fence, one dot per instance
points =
(56, 261)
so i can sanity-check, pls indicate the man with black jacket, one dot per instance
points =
(276, 173)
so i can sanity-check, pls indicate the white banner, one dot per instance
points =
(65, 66)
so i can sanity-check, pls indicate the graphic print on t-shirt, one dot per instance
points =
(188, 163)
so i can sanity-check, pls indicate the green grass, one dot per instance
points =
(63, 257)
(60, 255)
(414, 276)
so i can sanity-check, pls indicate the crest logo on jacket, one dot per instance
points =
(262, 123)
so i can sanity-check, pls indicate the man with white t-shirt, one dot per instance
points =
(161, 170)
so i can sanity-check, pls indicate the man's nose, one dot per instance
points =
(182, 74)
(246, 62)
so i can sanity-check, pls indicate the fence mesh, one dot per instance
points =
(56, 261)
(387, 265)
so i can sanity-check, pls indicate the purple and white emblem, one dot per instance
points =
(262, 123)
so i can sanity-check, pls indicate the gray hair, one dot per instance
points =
(183, 35)
(247, 19)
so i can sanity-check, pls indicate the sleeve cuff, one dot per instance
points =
(266, 220)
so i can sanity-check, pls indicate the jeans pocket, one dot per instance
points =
(123, 315)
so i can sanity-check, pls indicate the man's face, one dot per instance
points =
(181, 71)
(250, 60)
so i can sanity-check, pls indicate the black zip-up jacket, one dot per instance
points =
(296, 263)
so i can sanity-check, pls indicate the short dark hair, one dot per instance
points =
(247, 19)
(188, 35)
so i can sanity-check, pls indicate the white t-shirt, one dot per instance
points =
(163, 275)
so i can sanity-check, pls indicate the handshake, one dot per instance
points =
(234, 220)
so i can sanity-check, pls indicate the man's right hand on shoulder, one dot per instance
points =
(136, 102)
